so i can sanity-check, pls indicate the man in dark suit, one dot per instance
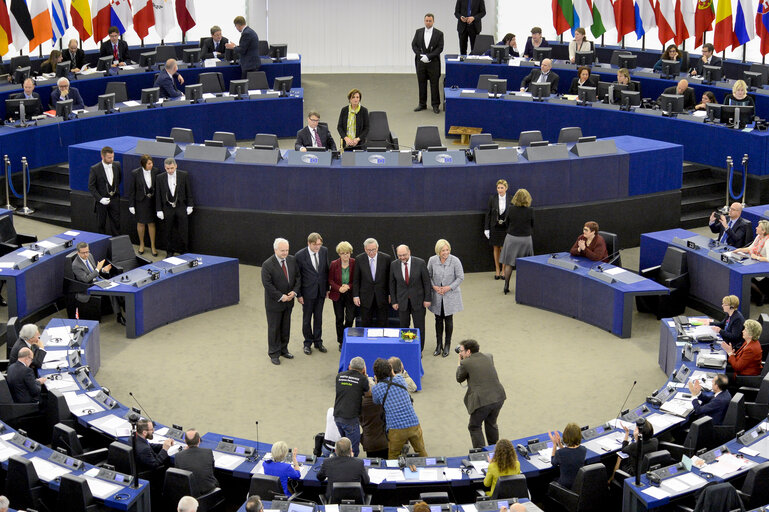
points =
(104, 185)
(427, 46)
(342, 468)
(282, 281)
(713, 405)
(24, 387)
(682, 88)
(732, 229)
(87, 270)
(314, 135)
(29, 337)
(248, 47)
(708, 59)
(485, 395)
(174, 204)
(64, 92)
(410, 289)
(28, 93)
(542, 75)
(199, 461)
(150, 457)
(115, 47)
(313, 266)
(371, 284)
(214, 46)
(75, 55)
(165, 80)
(468, 14)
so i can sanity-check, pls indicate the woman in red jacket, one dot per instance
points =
(590, 244)
(746, 360)
(340, 274)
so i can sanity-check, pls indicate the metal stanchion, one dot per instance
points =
(729, 171)
(744, 178)
(25, 210)
(7, 162)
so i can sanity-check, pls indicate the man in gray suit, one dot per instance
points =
(410, 289)
(485, 394)
(86, 270)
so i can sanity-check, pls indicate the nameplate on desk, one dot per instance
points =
(49, 120)
(679, 241)
(544, 153)
(90, 75)
(601, 276)
(564, 65)
(91, 113)
(376, 158)
(496, 156)
(155, 148)
(649, 112)
(219, 99)
(646, 74)
(257, 156)
(595, 148)
(562, 262)
(304, 158)
(517, 97)
(478, 95)
(443, 158)
(606, 106)
(131, 108)
(691, 117)
(206, 153)
(561, 101)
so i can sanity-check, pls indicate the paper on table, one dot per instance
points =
(480, 465)
(391, 333)
(430, 474)
(72, 233)
(81, 405)
(292, 56)
(614, 271)
(470, 507)
(674, 485)
(9, 435)
(173, 260)
(749, 452)
(452, 474)
(91, 472)
(692, 480)
(391, 463)
(467, 90)
(62, 334)
(210, 63)
(514, 62)
(6, 450)
(207, 95)
(255, 91)
(618, 423)
(374, 333)
(100, 488)
(57, 355)
(663, 421)
(62, 384)
(227, 461)
(656, 493)
(6, 264)
(131, 103)
(331, 508)
(395, 475)
(377, 476)
(29, 253)
(111, 424)
(607, 443)
(130, 66)
(48, 471)
(46, 244)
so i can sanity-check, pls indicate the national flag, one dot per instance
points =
(762, 25)
(185, 14)
(603, 17)
(684, 20)
(41, 23)
(59, 18)
(665, 12)
(703, 20)
(723, 36)
(77, 313)
(6, 36)
(744, 30)
(645, 19)
(144, 17)
(563, 15)
(165, 18)
(121, 15)
(583, 9)
(80, 12)
(102, 14)
(21, 24)
(624, 17)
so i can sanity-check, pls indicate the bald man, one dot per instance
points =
(200, 461)
(732, 229)
(74, 55)
(410, 289)
(682, 88)
(24, 387)
(542, 75)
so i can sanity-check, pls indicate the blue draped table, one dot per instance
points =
(409, 352)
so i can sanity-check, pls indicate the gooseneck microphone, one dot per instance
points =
(257, 440)
(626, 398)
(141, 407)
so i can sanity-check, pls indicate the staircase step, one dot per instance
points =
(52, 218)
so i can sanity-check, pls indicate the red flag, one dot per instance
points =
(144, 17)
(6, 37)
(185, 14)
(664, 30)
(703, 20)
(762, 26)
(624, 17)
(682, 32)
(563, 15)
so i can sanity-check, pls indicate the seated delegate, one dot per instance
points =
(535, 40)
(353, 122)
(730, 328)
(681, 88)
(283, 470)
(590, 244)
(64, 92)
(28, 93)
(708, 59)
(512, 46)
(542, 75)
(707, 404)
(504, 463)
(49, 66)
(579, 44)
(623, 78)
(670, 53)
(759, 251)
(739, 95)
(629, 462)
(583, 79)
(165, 80)
(567, 454)
(707, 97)
(314, 135)
(746, 360)
(732, 230)
(24, 387)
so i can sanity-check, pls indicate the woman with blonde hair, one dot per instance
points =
(518, 243)
(494, 223)
(446, 274)
(759, 251)
(283, 470)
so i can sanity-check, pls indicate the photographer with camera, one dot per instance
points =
(732, 229)
(485, 394)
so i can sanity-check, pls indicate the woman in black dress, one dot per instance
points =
(141, 201)
(494, 227)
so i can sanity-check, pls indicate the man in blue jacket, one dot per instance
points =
(713, 405)
(248, 47)
(313, 266)
(165, 80)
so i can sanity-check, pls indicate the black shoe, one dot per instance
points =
(446, 349)
(420, 108)
(497, 278)
(437, 350)
(437, 110)
(3, 302)
(307, 350)
(120, 319)
(340, 347)
(275, 361)
(321, 348)
(506, 290)
(288, 355)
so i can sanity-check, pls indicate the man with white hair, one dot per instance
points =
(4, 504)
(64, 92)
(282, 281)
(187, 504)
(29, 337)
(351, 386)
(542, 75)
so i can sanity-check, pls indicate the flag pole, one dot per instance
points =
(744, 53)
(623, 42)
(602, 45)
(643, 42)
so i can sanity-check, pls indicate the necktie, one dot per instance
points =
(406, 272)
(372, 264)
(542, 78)
(728, 227)
(315, 260)
(114, 51)
(469, 8)
(88, 264)
(317, 139)
(285, 270)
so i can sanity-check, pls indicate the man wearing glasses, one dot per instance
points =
(732, 229)
(314, 135)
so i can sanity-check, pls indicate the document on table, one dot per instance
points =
(480, 465)
(228, 461)
(607, 443)
(113, 425)
(6, 264)
(331, 508)
(55, 355)
(618, 423)
(656, 493)
(7, 449)
(727, 465)
(430, 474)
(374, 333)
(46, 244)
(173, 260)
(100, 488)
(470, 507)
(391, 333)
(48, 471)
(614, 271)
(66, 383)
(452, 473)
(57, 336)
(541, 459)
(72, 233)
(82, 405)
(131, 103)
(377, 476)
(29, 253)
(394, 475)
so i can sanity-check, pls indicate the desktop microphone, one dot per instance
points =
(257, 440)
(626, 398)
(145, 411)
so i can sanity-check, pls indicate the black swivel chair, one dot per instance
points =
(612, 246)
(91, 310)
(122, 256)
(526, 138)
(266, 139)
(508, 486)
(347, 492)
(763, 319)
(257, 80)
(569, 134)
(165, 52)
(379, 134)
(734, 420)
(614, 61)
(65, 437)
(483, 81)
(75, 495)
(17, 415)
(673, 273)
(716, 497)
(213, 82)
(758, 408)
(227, 138)
(23, 488)
(749, 232)
(183, 135)
(477, 139)
(180, 482)
(11, 335)
(263, 48)
(482, 44)
(650, 458)
(426, 137)
(701, 435)
(755, 490)
(20, 61)
(119, 88)
(10, 240)
(589, 492)
(265, 486)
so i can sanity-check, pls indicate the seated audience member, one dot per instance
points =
(342, 468)
(732, 230)
(165, 80)
(542, 75)
(74, 55)
(623, 78)
(590, 244)
(746, 360)
(512, 46)
(87, 270)
(670, 53)
(115, 47)
(353, 122)
(29, 337)
(150, 456)
(254, 504)
(24, 387)
(682, 88)
(49, 66)
(730, 328)
(707, 97)
(64, 92)
(283, 470)
(200, 461)
(314, 135)
(708, 59)
(707, 404)
(650, 444)
(567, 454)
(28, 93)
(398, 369)
(374, 436)
(505, 462)
(759, 251)
(213, 47)
(535, 40)
(4, 504)
(739, 95)
(187, 504)
(583, 79)
(579, 44)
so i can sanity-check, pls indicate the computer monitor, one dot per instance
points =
(150, 95)
(148, 59)
(730, 114)
(62, 69)
(713, 111)
(587, 94)
(214, 143)
(193, 92)
(711, 73)
(106, 102)
(282, 84)
(192, 56)
(497, 86)
(13, 107)
(278, 51)
(499, 53)
(105, 63)
(588, 138)
(671, 67)
(627, 61)
(539, 90)
(584, 58)
(543, 52)
(618, 88)
(64, 108)
(161, 138)
(21, 74)
(753, 79)
(631, 98)
(239, 87)
(672, 102)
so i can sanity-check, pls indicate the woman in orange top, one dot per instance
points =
(747, 359)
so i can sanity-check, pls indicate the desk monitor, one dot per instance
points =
(191, 56)
(627, 61)
(148, 59)
(753, 79)
(62, 69)
(106, 102)
(278, 51)
(168, 140)
(150, 95)
(497, 86)
(632, 98)
(239, 87)
(539, 143)
(214, 143)
(671, 67)
(64, 108)
(282, 84)
(713, 111)
(499, 53)
(105, 63)
(13, 107)
(587, 94)
(584, 58)
(731, 113)
(543, 52)
(712, 73)
(590, 138)
(539, 90)
(193, 92)
(21, 74)
(672, 102)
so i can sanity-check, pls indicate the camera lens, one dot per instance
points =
(457, 349)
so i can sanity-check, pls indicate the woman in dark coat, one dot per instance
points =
(141, 201)
(353, 122)
(494, 227)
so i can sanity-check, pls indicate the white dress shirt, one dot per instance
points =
(502, 203)
(108, 173)
(147, 177)
(172, 183)
(428, 36)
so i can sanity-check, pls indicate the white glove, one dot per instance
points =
(189, 210)
(132, 210)
(424, 59)
(486, 233)
(104, 201)
(160, 215)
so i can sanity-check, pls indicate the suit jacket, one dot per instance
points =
(22, 384)
(38, 355)
(167, 85)
(98, 185)
(335, 278)
(361, 123)
(248, 47)
(82, 274)
(689, 99)
(747, 359)
(200, 461)
(150, 456)
(714, 61)
(314, 283)
(138, 189)
(342, 469)
(368, 288)
(732, 332)
(714, 406)
(483, 386)
(74, 95)
(477, 11)
(79, 60)
(305, 139)
(183, 192)
(207, 50)
(105, 50)
(35, 111)
(433, 50)
(739, 235)
(276, 285)
(418, 290)
(492, 212)
(533, 76)
(592, 81)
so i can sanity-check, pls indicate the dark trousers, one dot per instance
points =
(313, 330)
(344, 311)
(367, 314)
(430, 71)
(417, 315)
(176, 222)
(467, 31)
(112, 210)
(485, 415)
(278, 331)
(440, 321)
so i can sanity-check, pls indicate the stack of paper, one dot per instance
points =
(228, 461)
(377, 476)
(65, 383)
(48, 471)
(727, 465)
(608, 443)
(81, 404)
(7, 449)
(677, 407)
(112, 425)
(661, 422)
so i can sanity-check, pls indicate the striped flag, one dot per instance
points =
(563, 15)
(165, 18)
(60, 19)
(81, 18)
(121, 15)
(41, 23)
(21, 24)
(583, 9)
(684, 20)
(144, 17)
(645, 19)
(744, 30)
(185, 14)
(603, 17)
(723, 36)
(666, 20)
(6, 37)
(762, 26)
(101, 19)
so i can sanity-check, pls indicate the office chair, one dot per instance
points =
(348, 492)
(16, 415)
(23, 488)
(265, 486)
(122, 256)
(11, 335)
(75, 495)
(651, 457)
(684, 59)
(734, 420)
(119, 88)
(508, 486)
(90, 310)
(180, 482)
(56, 412)
(165, 52)
(483, 81)
(20, 61)
(379, 134)
(588, 493)
(203, 41)
(615, 56)
(749, 232)
(526, 138)
(482, 44)
(569, 134)
(266, 139)
(263, 48)
(212, 81)
(758, 408)
(120, 456)
(701, 435)
(478, 139)
(10, 240)
(257, 80)
(716, 497)
(673, 273)
(755, 490)
(427, 136)
(65, 437)
(227, 138)
(183, 135)
(611, 239)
